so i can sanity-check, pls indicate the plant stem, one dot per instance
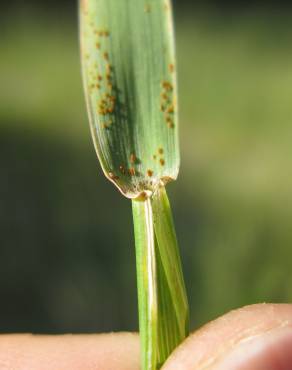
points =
(147, 280)
(162, 300)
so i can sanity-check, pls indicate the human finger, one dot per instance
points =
(70, 352)
(257, 337)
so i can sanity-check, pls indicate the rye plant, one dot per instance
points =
(129, 75)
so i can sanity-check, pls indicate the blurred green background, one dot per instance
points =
(67, 260)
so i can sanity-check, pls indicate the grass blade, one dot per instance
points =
(127, 53)
(128, 64)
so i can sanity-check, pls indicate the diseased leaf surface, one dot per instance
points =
(130, 86)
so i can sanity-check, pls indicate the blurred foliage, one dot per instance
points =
(66, 246)
(225, 5)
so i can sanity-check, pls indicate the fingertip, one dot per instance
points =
(205, 348)
(70, 352)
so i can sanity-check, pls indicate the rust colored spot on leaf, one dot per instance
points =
(122, 169)
(133, 158)
(147, 8)
(112, 176)
(132, 171)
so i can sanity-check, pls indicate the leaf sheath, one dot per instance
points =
(163, 306)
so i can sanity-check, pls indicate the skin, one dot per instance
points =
(257, 337)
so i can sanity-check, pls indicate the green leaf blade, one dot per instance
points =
(128, 64)
(130, 86)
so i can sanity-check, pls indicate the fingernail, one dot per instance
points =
(268, 351)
